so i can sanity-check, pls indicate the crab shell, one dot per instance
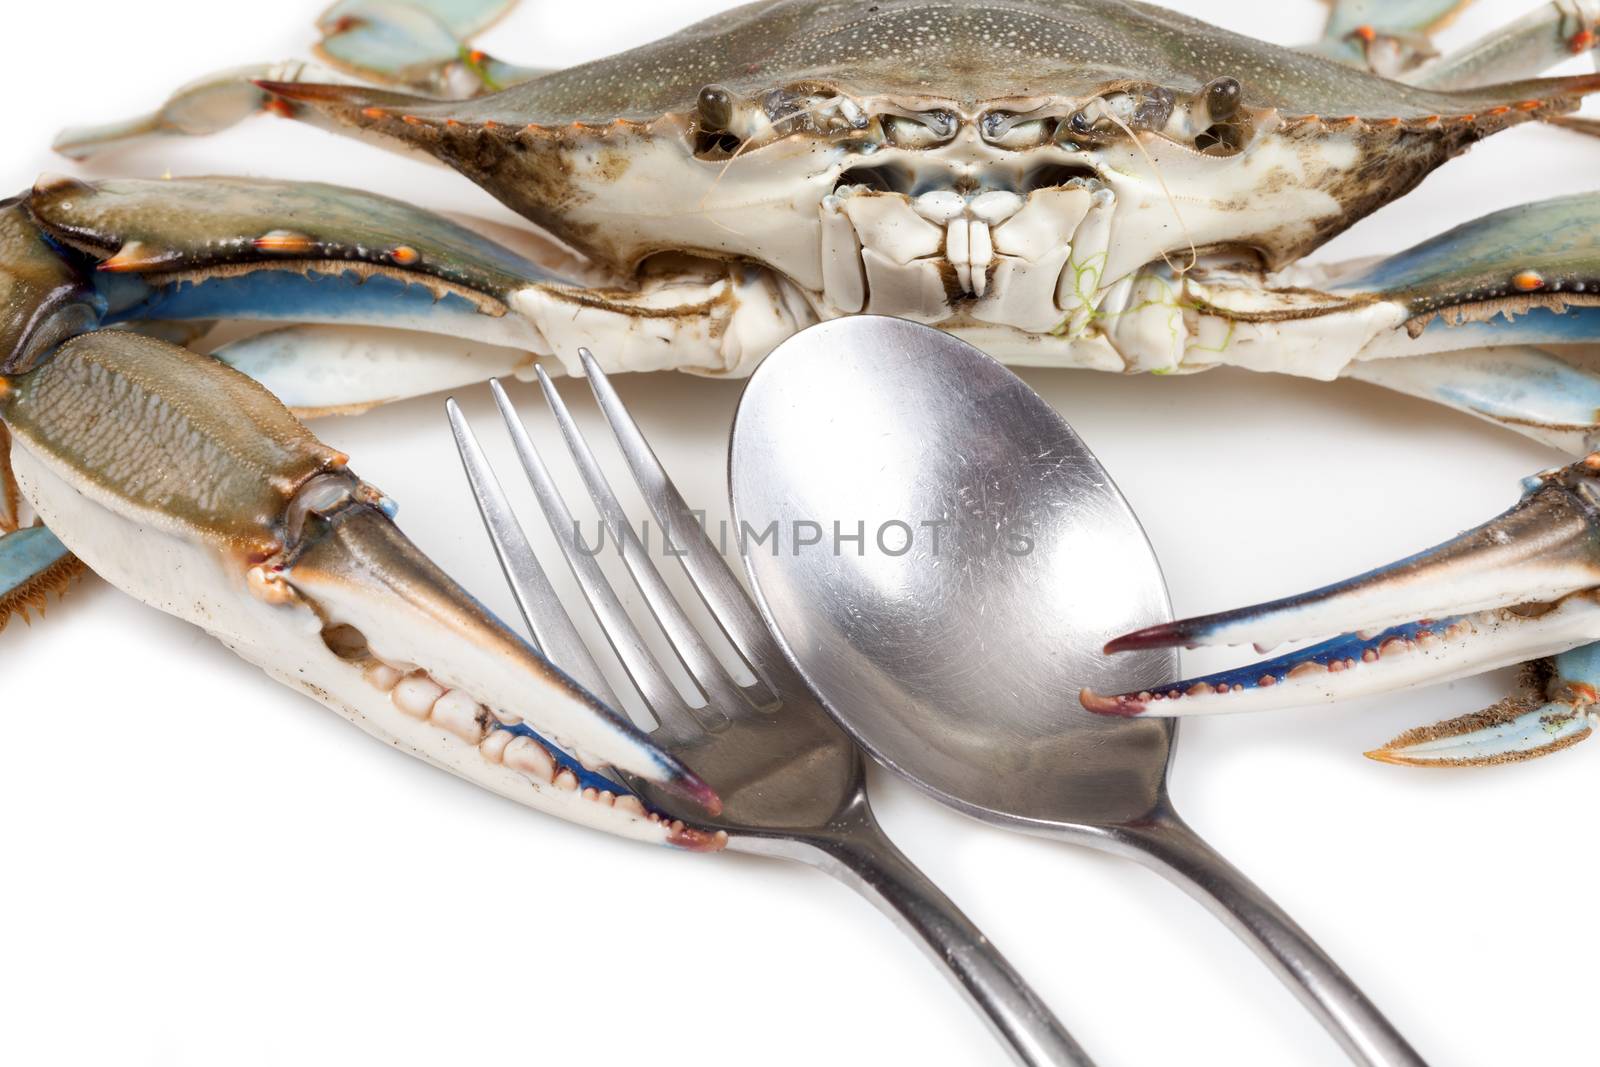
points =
(994, 166)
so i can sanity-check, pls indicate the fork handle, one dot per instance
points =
(1166, 844)
(861, 856)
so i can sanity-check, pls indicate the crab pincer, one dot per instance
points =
(1523, 587)
(189, 486)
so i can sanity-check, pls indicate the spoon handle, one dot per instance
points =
(1167, 845)
(861, 856)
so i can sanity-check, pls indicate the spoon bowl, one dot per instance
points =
(942, 560)
(1003, 553)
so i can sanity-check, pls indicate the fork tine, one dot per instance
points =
(698, 659)
(708, 572)
(658, 691)
(554, 635)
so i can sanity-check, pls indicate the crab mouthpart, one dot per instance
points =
(917, 244)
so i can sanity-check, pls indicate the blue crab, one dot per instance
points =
(1088, 183)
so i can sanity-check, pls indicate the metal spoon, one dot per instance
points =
(995, 557)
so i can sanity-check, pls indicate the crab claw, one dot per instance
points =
(1518, 588)
(1358, 665)
(189, 486)
(1544, 548)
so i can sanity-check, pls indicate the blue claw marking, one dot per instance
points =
(1343, 653)
(587, 779)
(1540, 326)
(1549, 248)
(1544, 548)
(1478, 297)
(314, 296)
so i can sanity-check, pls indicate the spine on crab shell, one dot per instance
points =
(1459, 117)
(1500, 104)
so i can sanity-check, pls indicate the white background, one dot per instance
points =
(199, 867)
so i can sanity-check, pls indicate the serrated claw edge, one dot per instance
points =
(30, 596)
(1500, 714)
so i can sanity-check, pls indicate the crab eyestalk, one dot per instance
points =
(1521, 587)
(189, 486)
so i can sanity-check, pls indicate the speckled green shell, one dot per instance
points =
(965, 54)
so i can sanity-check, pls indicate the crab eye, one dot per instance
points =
(1222, 98)
(1216, 108)
(714, 108)
(923, 130)
(714, 114)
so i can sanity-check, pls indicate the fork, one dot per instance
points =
(792, 784)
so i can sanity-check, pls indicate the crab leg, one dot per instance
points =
(420, 45)
(202, 107)
(1525, 277)
(1392, 39)
(186, 484)
(1546, 36)
(209, 248)
(1525, 389)
(204, 249)
(190, 487)
(1388, 37)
